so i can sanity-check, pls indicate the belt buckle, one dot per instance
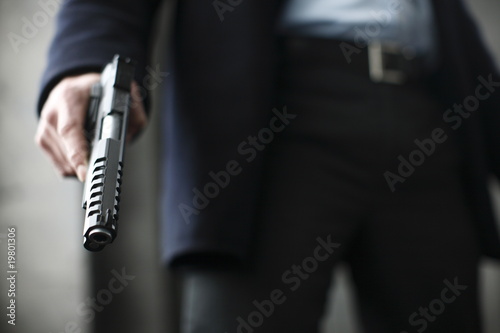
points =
(377, 52)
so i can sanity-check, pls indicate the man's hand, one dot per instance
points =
(61, 130)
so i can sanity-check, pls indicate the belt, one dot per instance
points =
(380, 61)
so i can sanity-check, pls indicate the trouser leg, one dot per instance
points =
(415, 266)
(303, 231)
(415, 261)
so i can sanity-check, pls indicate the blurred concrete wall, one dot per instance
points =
(57, 280)
(52, 273)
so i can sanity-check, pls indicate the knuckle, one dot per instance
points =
(72, 129)
(67, 129)
(39, 139)
(48, 113)
(76, 157)
(48, 150)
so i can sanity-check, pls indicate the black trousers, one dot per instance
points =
(412, 252)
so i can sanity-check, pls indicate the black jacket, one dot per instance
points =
(221, 90)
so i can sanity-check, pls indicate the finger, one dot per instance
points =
(70, 128)
(46, 139)
(74, 145)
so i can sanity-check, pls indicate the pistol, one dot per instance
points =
(106, 127)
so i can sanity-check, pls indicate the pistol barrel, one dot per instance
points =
(104, 176)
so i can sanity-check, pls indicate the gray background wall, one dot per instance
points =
(55, 276)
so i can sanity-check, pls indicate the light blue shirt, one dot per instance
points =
(410, 23)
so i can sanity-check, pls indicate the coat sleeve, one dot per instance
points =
(90, 32)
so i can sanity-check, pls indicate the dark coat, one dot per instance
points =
(222, 89)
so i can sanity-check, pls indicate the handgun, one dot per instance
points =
(106, 126)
